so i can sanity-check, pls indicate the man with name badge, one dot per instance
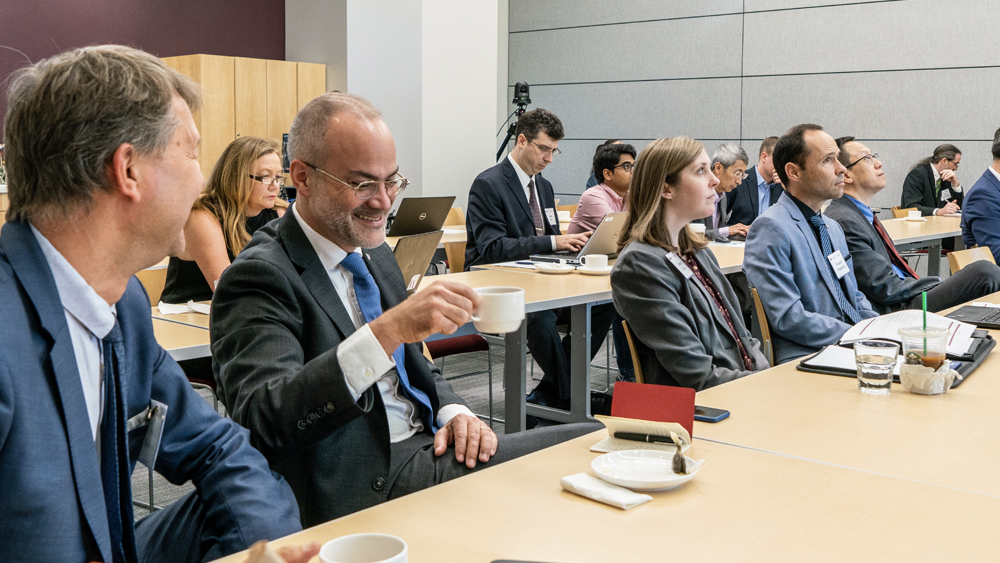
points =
(797, 258)
(759, 190)
(932, 186)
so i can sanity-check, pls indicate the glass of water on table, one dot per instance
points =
(876, 360)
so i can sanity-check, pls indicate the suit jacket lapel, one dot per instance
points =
(32, 270)
(517, 190)
(817, 252)
(314, 276)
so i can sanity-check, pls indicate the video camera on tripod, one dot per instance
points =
(521, 99)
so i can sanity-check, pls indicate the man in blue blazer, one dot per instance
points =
(101, 154)
(797, 258)
(759, 189)
(981, 216)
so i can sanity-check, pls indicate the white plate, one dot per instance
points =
(595, 271)
(919, 220)
(553, 268)
(642, 470)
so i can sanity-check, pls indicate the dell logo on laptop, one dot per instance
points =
(423, 216)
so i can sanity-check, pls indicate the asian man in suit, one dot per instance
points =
(83, 382)
(317, 348)
(981, 217)
(729, 164)
(759, 190)
(797, 258)
(511, 216)
(889, 283)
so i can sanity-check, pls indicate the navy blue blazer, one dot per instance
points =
(52, 500)
(743, 202)
(981, 214)
(499, 223)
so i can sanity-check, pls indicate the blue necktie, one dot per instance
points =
(824, 238)
(115, 476)
(764, 197)
(370, 301)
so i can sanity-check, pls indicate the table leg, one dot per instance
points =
(579, 363)
(515, 373)
(934, 258)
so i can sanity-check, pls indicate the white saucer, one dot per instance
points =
(919, 220)
(643, 470)
(595, 271)
(547, 268)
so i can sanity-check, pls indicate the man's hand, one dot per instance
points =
(775, 179)
(440, 308)
(739, 229)
(261, 552)
(572, 243)
(472, 438)
(950, 207)
(949, 175)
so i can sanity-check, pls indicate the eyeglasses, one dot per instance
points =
(869, 157)
(268, 180)
(626, 166)
(368, 188)
(547, 150)
(740, 176)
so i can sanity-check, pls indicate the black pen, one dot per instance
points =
(635, 436)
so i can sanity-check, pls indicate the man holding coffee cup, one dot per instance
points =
(316, 347)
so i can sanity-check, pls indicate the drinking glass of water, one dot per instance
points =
(876, 360)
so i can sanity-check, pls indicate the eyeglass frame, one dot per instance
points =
(870, 157)
(280, 180)
(546, 150)
(363, 185)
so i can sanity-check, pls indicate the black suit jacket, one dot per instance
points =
(872, 266)
(499, 223)
(743, 204)
(276, 325)
(919, 191)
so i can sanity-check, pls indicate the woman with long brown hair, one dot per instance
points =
(241, 196)
(668, 285)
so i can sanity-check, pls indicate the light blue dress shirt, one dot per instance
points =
(867, 212)
(763, 193)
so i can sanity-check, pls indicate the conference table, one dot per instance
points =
(182, 341)
(928, 232)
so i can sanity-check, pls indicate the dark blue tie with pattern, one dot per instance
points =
(115, 476)
(824, 238)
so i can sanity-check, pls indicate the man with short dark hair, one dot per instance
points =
(102, 154)
(614, 165)
(981, 217)
(511, 216)
(889, 283)
(759, 190)
(932, 186)
(593, 180)
(797, 258)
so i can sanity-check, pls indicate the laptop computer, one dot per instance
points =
(982, 317)
(418, 215)
(603, 241)
(414, 254)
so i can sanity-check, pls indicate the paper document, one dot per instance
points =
(730, 243)
(524, 265)
(453, 231)
(886, 327)
(840, 358)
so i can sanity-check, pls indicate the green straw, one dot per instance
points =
(924, 299)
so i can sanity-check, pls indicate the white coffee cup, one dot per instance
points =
(913, 215)
(501, 310)
(564, 216)
(594, 261)
(364, 548)
(698, 228)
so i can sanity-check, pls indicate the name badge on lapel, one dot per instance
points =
(839, 265)
(680, 265)
(153, 417)
(945, 194)
(551, 214)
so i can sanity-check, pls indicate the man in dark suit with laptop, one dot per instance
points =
(511, 216)
(759, 190)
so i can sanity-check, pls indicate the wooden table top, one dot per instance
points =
(183, 342)
(902, 231)
(193, 319)
(743, 505)
(541, 291)
(457, 235)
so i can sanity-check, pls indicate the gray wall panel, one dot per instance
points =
(641, 51)
(769, 5)
(891, 105)
(535, 14)
(872, 37)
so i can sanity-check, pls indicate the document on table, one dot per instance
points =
(840, 358)
(730, 243)
(523, 264)
(886, 327)
(453, 231)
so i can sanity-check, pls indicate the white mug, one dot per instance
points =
(564, 216)
(913, 215)
(364, 548)
(697, 227)
(501, 310)
(594, 261)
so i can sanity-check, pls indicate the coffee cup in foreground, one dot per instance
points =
(913, 215)
(594, 261)
(501, 310)
(364, 548)
(697, 227)
(925, 369)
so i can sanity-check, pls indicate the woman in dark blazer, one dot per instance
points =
(668, 285)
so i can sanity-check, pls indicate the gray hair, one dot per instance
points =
(305, 138)
(67, 115)
(728, 155)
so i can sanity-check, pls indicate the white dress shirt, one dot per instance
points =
(937, 176)
(361, 357)
(90, 319)
(523, 177)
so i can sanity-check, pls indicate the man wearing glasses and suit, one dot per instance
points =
(511, 216)
(759, 190)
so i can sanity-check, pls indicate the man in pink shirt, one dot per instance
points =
(613, 163)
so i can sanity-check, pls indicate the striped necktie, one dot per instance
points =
(824, 238)
(536, 213)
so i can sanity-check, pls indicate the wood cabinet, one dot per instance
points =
(247, 97)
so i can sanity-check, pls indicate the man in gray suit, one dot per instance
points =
(798, 259)
(883, 276)
(729, 164)
(316, 347)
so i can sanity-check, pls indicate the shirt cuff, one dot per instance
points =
(724, 232)
(956, 189)
(448, 412)
(362, 360)
(553, 237)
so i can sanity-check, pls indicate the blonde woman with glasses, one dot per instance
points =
(668, 285)
(242, 195)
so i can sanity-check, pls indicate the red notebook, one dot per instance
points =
(660, 403)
